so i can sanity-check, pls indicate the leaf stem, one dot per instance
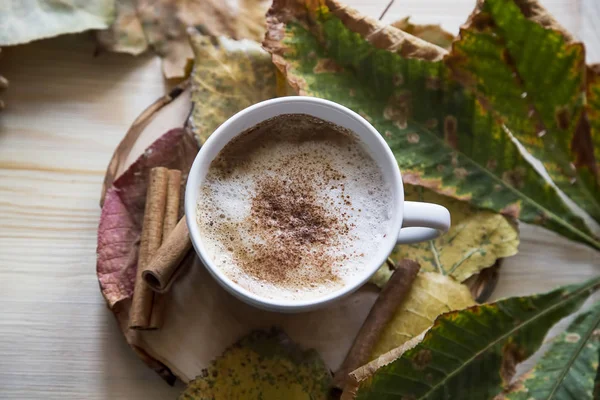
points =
(465, 258)
(587, 238)
(436, 257)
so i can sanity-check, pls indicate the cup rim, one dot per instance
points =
(286, 305)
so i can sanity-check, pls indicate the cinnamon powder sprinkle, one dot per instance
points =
(300, 215)
(297, 231)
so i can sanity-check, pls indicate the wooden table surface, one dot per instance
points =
(66, 112)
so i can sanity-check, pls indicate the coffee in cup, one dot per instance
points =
(293, 208)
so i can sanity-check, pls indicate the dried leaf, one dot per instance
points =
(122, 214)
(140, 24)
(432, 33)
(484, 283)
(442, 136)
(475, 241)
(469, 354)
(229, 318)
(567, 370)
(431, 294)
(228, 76)
(596, 393)
(263, 366)
(533, 78)
(22, 21)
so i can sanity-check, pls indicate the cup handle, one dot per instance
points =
(422, 222)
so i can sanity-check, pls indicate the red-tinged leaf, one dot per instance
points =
(123, 212)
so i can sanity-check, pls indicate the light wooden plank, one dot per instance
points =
(67, 110)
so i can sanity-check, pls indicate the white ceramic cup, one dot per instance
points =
(411, 221)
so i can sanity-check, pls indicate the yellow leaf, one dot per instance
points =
(263, 366)
(228, 76)
(161, 26)
(475, 241)
(431, 294)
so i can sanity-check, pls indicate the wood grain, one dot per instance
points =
(66, 112)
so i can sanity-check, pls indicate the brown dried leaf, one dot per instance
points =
(162, 27)
(122, 214)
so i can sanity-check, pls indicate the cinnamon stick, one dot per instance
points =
(172, 208)
(169, 223)
(160, 272)
(382, 311)
(152, 229)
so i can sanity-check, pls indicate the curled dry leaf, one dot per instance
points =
(228, 76)
(161, 26)
(122, 213)
(431, 33)
(471, 353)
(22, 21)
(263, 365)
(430, 295)
(441, 135)
(476, 239)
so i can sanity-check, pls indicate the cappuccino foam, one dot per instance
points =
(293, 208)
